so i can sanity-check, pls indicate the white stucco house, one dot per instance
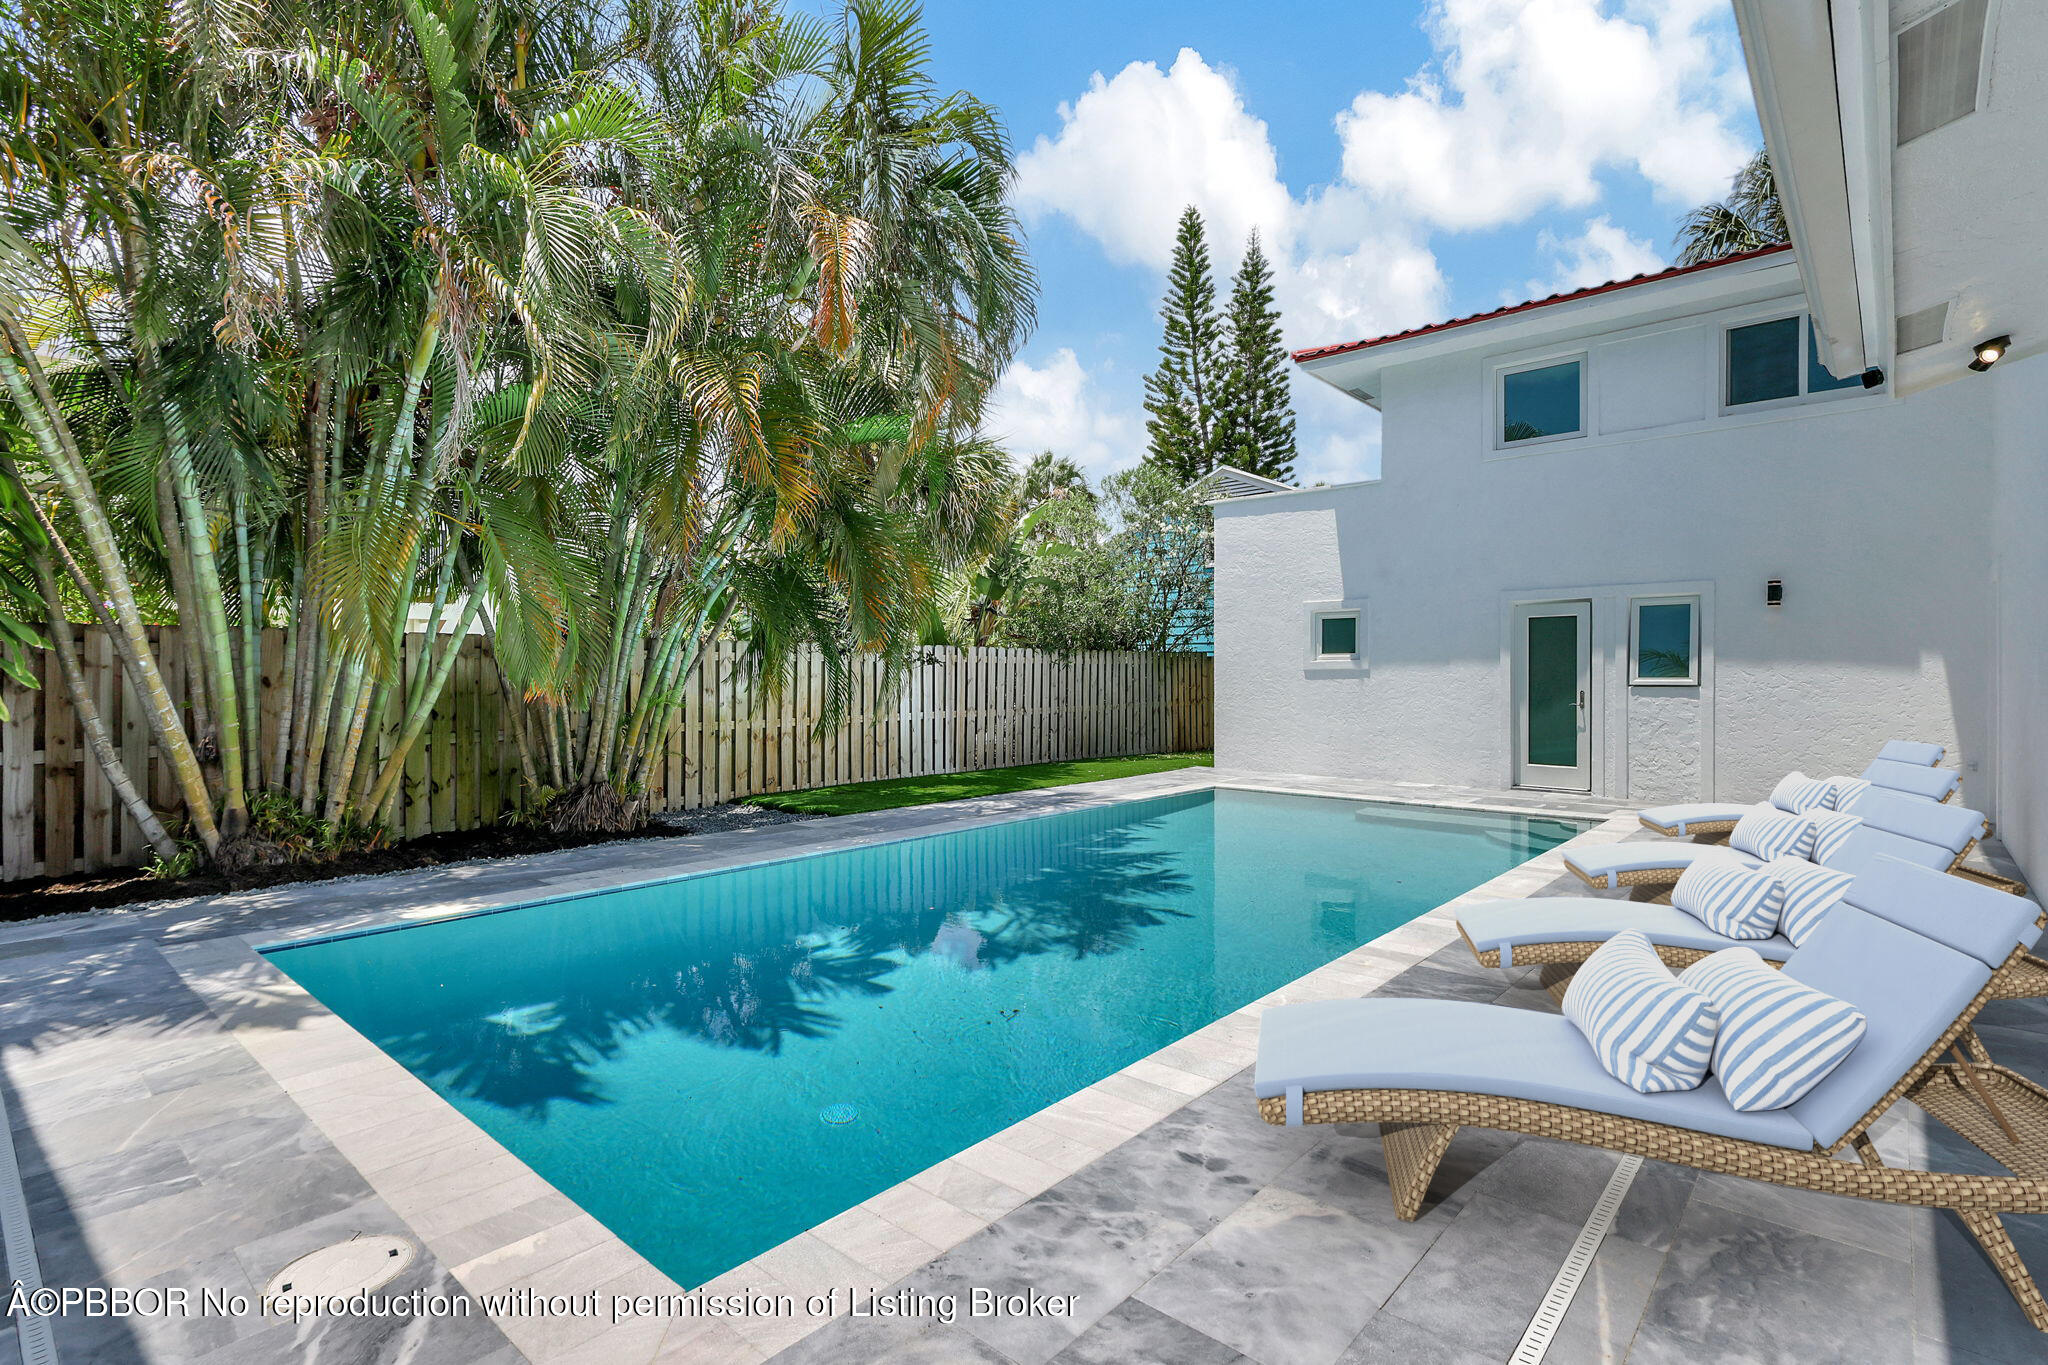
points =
(1672, 536)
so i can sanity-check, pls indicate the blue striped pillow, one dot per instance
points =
(1806, 893)
(1830, 830)
(1796, 793)
(1844, 790)
(1650, 1033)
(1778, 1038)
(1730, 899)
(1767, 832)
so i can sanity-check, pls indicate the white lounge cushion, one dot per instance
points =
(1806, 892)
(1767, 833)
(1910, 987)
(1650, 1033)
(1865, 845)
(1910, 817)
(1508, 925)
(1796, 793)
(1912, 751)
(1487, 1049)
(1647, 855)
(1679, 818)
(1730, 899)
(1964, 915)
(1778, 1037)
(1933, 783)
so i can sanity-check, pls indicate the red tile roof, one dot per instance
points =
(1317, 352)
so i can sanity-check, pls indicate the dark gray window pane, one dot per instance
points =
(1541, 402)
(1340, 635)
(1553, 682)
(1763, 362)
(1818, 380)
(1664, 640)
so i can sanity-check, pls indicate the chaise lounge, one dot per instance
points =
(1706, 819)
(1558, 933)
(1892, 825)
(1919, 974)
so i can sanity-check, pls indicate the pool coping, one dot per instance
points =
(499, 1226)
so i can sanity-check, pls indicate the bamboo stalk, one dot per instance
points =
(93, 723)
(24, 382)
(206, 581)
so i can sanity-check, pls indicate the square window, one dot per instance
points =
(1763, 361)
(1541, 403)
(1665, 642)
(1337, 636)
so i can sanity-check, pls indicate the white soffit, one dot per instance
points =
(1970, 197)
(1790, 48)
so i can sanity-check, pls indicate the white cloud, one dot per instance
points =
(1061, 407)
(1530, 99)
(1140, 146)
(1136, 149)
(1600, 253)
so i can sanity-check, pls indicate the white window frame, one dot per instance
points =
(1317, 613)
(1500, 400)
(1635, 606)
(1806, 358)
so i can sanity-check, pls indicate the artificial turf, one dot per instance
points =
(855, 798)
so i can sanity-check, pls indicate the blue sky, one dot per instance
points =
(1405, 162)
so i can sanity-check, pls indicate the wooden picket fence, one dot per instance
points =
(956, 710)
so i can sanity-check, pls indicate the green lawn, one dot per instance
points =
(857, 797)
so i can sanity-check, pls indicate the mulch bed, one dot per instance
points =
(125, 886)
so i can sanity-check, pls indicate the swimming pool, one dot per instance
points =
(712, 1064)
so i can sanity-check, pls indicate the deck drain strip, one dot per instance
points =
(32, 1333)
(1535, 1343)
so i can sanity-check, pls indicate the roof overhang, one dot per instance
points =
(1821, 72)
(1359, 369)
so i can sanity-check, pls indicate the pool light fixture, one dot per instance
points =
(1989, 352)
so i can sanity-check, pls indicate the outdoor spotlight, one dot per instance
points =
(1988, 353)
(1774, 592)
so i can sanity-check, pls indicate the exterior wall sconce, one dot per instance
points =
(1774, 592)
(1988, 352)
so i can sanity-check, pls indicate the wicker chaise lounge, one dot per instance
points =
(1558, 933)
(1904, 827)
(1708, 819)
(1423, 1069)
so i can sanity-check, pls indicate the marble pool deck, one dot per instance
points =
(185, 1117)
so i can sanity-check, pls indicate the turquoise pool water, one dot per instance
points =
(713, 1064)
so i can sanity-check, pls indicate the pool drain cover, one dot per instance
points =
(353, 1267)
(838, 1114)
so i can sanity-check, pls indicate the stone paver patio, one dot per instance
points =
(184, 1116)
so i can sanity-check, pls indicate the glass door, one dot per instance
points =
(1553, 672)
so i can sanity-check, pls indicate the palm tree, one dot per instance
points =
(788, 459)
(603, 338)
(1750, 217)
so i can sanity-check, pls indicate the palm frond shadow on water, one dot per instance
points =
(716, 964)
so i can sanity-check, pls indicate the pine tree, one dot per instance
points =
(1181, 394)
(1254, 427)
